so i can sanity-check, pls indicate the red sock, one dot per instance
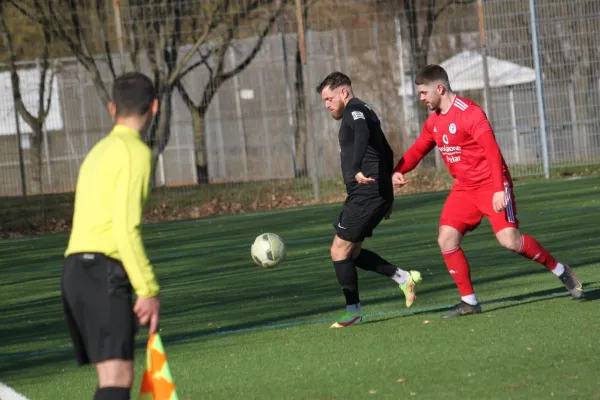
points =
(530, 248)
(457, 265)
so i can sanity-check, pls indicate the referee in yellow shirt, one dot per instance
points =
(105, 259)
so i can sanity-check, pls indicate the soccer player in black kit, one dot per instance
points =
(367, 167)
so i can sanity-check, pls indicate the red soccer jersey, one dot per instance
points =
(467, 144)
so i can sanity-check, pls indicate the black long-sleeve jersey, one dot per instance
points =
(364, 148)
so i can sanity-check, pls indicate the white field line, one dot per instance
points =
(7, 393)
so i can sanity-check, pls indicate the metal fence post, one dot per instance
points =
(537, 61)
(487, 93)
(310, 134)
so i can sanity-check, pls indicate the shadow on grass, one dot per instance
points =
(12, 364)
(534, 297)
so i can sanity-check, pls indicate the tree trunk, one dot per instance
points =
(35, 159)
(199, 126)
(420, 61)
(160, 131)
(301, 168)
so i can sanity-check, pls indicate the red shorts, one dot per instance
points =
(465, 208)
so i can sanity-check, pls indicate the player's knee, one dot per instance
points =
(510, 243)
(448, 242)
(115, 373)
(341, 250)
(510, 239)
(337, 253)
(449, 238)
(340, 253)
(333, 252)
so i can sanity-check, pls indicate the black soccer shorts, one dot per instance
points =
(98, 306)
(360, 215)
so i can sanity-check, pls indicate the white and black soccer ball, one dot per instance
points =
(268, 250)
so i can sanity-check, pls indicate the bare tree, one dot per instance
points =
(155, 30)
(421, 17)
(421, 22)
(212, 53)
(35, 119)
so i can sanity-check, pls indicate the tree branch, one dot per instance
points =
(203, 60)
(22, 10)
(176, 36)
(74, 18)
(411, 16)
(428, 30)
(222, 51)
(104, 36)
(257, 46)
(451, 2)
(214, 22)
(49, 102)
(184, 94)
(14, 75)
(77, 48)
(134, 40)
(189, 54)
(42, 112)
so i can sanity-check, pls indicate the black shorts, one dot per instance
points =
(360, 215)
(98, 305)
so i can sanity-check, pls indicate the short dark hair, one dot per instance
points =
(432, 73)
(133, 94)
(334, 80)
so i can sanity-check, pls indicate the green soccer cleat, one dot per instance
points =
(409, 287)
(350, 318)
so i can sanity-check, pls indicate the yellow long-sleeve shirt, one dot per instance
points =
(111, 191)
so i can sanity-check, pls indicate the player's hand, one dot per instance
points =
(499, 201)
(147, 310)
(360, 178)
(398, 180)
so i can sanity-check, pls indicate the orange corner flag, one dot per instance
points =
(157, 382)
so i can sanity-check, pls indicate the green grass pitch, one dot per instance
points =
(234, 331)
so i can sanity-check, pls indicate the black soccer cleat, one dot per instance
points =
(462, 308)
(572, 283)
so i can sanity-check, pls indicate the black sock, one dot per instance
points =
(370, 261)
(112, 393)
(348, 278)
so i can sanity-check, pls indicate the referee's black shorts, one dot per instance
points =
(360, 215)
(98, 305)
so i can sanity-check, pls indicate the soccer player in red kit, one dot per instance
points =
(482, 185)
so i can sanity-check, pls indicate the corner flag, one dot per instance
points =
(157, 382)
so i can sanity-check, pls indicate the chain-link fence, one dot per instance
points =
(249, 124)
(568, 53)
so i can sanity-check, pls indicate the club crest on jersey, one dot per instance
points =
(358, 115)
(452, 128)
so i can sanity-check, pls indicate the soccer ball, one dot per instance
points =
(268, 250)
